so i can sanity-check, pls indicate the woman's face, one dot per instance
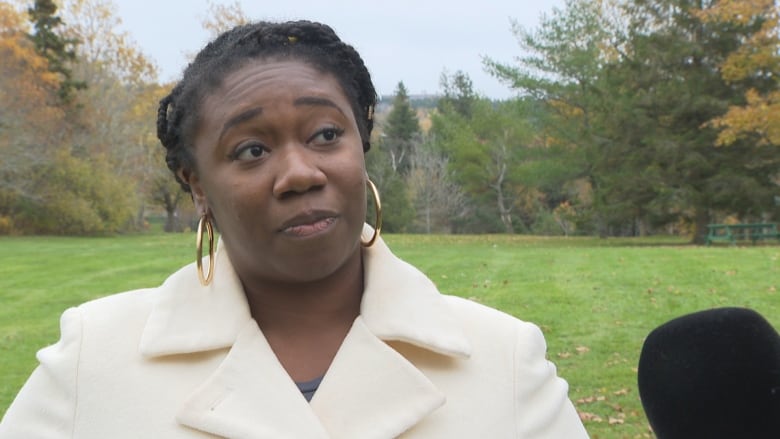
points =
(280, 167)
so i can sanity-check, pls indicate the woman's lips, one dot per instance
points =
(309, 227)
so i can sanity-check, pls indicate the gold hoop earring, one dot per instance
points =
(205, 220)
(377, 212)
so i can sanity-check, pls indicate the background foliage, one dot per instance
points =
(631, 118)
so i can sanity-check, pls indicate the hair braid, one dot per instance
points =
(313, 43)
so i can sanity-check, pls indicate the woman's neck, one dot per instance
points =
(281, 305)
(305, 323)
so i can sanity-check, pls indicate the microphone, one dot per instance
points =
(712, 374)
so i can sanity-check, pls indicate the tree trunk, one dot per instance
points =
(701, 219)
(139, 221)
(172, 222)
(428, 219)
(504, 213)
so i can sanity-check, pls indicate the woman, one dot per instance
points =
(302, 324)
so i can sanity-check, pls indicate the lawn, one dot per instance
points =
(594, 299)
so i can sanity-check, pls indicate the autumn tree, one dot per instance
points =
(43, 187)
(85, 173)
(157, 183)
(675, 65)
(116, 119)
(758, 57)
(222, 17)
(28, 101)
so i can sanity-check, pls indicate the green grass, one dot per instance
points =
(594, 299)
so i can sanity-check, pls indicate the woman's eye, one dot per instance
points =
(327, 136)
(249, 152)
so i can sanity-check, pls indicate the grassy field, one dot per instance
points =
(594, 299)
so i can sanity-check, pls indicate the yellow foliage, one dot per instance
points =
(27, 87)
(759, 54)
(761, 116)
(6, 225)
(222, 17)
(11, 20)
(566, 108)
(95, 24)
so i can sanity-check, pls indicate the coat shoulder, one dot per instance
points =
(475, 316)
(119, 306)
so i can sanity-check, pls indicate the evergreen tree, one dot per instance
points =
(674, 74)
(396, 206)
(401, 133)
(459, 95)
(59, 51)
(563, 72)
(486, 143)
(637, 97)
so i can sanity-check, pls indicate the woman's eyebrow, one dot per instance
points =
(240, 118)
(316, 101)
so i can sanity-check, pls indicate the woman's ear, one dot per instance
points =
(196, 189)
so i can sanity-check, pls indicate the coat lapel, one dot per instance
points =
(189, 317)
(250, 395)
(369, 391)
(400, 303)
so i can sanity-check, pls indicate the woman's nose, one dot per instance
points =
(298, 171)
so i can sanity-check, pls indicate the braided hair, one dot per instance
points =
(313, 43)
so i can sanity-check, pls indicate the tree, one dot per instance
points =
(28, 101)
(437, 198)
(675, 64)
(76, 197)
(116, 115)
(401, 131)
(397, 208)
(58, 50)
(485, 151)
(222, 17)
(85, 173)
(635, 95)
(563, 70)
(758, 57)
(458, 93)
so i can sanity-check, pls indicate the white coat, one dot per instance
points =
(187, 361)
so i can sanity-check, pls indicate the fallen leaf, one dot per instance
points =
(590, 417)
(591, 399)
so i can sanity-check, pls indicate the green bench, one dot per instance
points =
(732, 233)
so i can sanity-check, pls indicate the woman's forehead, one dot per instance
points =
(273, 82)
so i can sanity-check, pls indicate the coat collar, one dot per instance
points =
(188, 317)
(399, 303)
(369, 391)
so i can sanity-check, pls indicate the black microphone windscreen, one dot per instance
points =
(712, 374)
